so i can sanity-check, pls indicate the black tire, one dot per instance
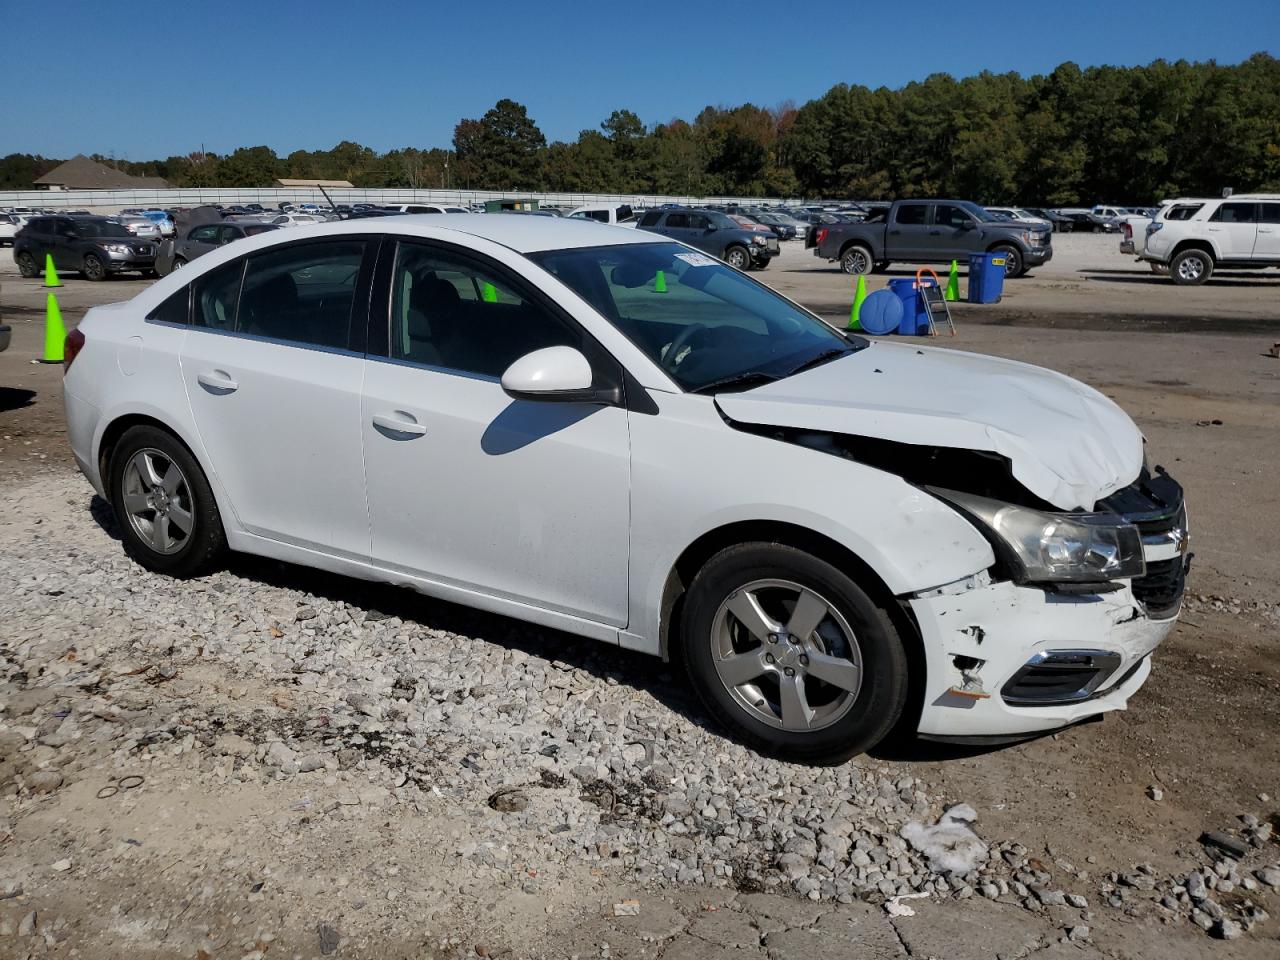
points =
(880, 266)
(1014, 265)
(738, 257)
(200, 548)
(151, 274)
(869, 712)
(93, 268)
(763, 264)
(27, 265)
(178, 264)
(856, 259)
(1191, 267)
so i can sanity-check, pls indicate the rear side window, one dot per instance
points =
(650, 218)
(1270, 212)
(302, 294)
(680, 220)
(1183, 211)
(214, 297)
(1234, 213)
(203, 234)
(174, 308)
(911, 214)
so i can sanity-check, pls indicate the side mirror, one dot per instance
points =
(555, 373)
(712, 228)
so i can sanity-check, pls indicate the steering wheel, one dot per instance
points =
(679, 343)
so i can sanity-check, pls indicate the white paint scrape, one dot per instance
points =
(950, 845)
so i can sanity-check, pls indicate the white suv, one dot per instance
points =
(1194, 237)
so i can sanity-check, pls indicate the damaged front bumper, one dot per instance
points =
(1009, 660)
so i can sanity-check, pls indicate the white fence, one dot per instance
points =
(110, 201)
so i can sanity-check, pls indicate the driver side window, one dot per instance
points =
(451, 311)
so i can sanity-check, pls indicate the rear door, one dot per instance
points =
(1233, 227)
(908, 235)
(1267, 245)
(272, 364)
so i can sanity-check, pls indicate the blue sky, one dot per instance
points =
(390, 73)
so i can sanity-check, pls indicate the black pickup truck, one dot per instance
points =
(932, 231)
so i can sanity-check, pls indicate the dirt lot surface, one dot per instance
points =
(331, 768)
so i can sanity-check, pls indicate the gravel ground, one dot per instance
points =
(317, 753)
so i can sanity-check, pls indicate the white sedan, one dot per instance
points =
(613, 434)
(295, 219)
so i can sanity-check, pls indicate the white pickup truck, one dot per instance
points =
(1193, 237)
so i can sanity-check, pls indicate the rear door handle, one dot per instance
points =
(398, 422)
(217, 381)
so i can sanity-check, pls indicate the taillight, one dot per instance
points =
(1127, 229)
(821, 236)
(71, 348)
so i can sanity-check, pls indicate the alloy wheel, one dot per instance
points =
(157, 500)
(786, 655)
(1191, 268)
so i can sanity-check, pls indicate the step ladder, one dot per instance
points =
(934, 298)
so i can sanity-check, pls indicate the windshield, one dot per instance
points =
(703, 322)
(977, 212)
(101, 228)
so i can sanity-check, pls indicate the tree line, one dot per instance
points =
(1120, 134)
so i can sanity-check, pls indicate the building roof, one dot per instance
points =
(82, 173)
(285, 182)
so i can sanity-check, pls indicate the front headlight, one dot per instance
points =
(758, 239)
(115, 248)
(1058, 547)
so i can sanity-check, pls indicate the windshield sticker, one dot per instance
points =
(697, 259)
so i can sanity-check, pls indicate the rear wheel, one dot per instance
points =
(168, 518)
(1191, 267)
(93, 267)
(178, 263)
(27, 265)
(791, 654)
(856, 260)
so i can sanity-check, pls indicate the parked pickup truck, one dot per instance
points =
(932, 231)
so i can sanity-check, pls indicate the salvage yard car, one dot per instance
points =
(95, 246)
(933, 231)
(713, 232)
(606, 432)
(1191, 238)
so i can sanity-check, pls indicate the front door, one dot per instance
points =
(523, 500)
(273, 377)
(948, 238)
(1234, 230)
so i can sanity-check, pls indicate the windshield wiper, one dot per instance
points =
(741, 381)
(824, 357)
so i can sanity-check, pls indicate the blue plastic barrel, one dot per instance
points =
(986, 277)
(881, 313)
(915, 315)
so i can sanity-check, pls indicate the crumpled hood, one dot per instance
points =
(1067, 443)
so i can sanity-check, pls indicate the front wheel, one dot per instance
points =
(1013, 265)
(738, 258)
(168, 518)
(791, 654)
(1191, 267)
(93, 267)
(27, 265)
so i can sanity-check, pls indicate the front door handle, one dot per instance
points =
(398, 422)
(217, 381)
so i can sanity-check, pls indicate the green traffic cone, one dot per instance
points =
(953, 283)
(489, 293)
(50, 274)
(55, 334)
(660, 283)
(859, 295)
